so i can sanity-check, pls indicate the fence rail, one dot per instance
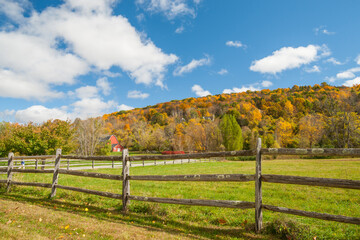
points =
(258, 177)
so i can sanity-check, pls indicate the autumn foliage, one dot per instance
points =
(301, 116)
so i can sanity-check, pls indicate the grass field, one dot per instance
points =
(209, 222)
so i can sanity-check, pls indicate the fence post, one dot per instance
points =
(258, 190)
(43, 164)
(68, 164)
(9, 170)
(143, 163)
(56, 173)
(93, 164)
(155, 162)
(126, 182)
(36, 163)
(112, 164)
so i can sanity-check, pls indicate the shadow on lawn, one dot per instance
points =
(150, 222)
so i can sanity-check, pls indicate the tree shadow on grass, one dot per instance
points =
(148, 221)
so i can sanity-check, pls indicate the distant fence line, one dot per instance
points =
(80, 162)
(258, 177)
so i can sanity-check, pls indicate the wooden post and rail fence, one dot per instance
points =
(258, 177)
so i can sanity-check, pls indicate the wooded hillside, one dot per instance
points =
(301, 116)
(305, 116)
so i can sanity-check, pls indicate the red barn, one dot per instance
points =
(115, 145)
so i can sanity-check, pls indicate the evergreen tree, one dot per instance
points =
(231, 132)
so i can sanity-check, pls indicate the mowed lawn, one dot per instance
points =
(209, 222)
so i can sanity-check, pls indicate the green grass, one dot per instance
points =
(209, 222)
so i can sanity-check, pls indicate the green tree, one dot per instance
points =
(231, 132)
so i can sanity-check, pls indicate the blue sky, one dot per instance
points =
(84, 58)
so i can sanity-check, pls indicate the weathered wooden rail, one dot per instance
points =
(258, 177)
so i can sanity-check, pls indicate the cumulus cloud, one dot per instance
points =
(350, 83)
(348, 73)
(345, 75)
(39, 114)
(314, 68)
(124, 107)
(199, 91)
(83, 108)
(266, 83)
(86, 92)
(137, 94)
(170, 8)
(289, 58)
(14, 10)
(236, 44)
(92, 107)
(192, 65)
(55, 46)
(104, 85)
(242, 89)
(223, 71)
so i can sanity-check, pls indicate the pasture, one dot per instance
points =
(211, 222)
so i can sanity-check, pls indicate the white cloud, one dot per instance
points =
(357, 59)
(192, 65)
(104, 85)
(124, 107)
(86, 92)
(92, 107)
(84, 108)
(350, 83)
(236, 44)
(323, 30)
(223, 71)
(27, 62)
(333, 61)
(14, 10)
(111, 74)
(330, 79)
(199, 91)
(348, 73)
(180, 29)
(94, 39)
(266, 83)
(345, 75)
(289, 58)
(242, 89)
(170, 8)
(314, 68)
(137, 94)
(39, 114)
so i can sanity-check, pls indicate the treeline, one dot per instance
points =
(305, 116)
(82, 137)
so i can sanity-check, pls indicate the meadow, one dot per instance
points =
(211, 222)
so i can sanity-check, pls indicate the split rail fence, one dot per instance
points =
(47, 162)
(258, 177)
